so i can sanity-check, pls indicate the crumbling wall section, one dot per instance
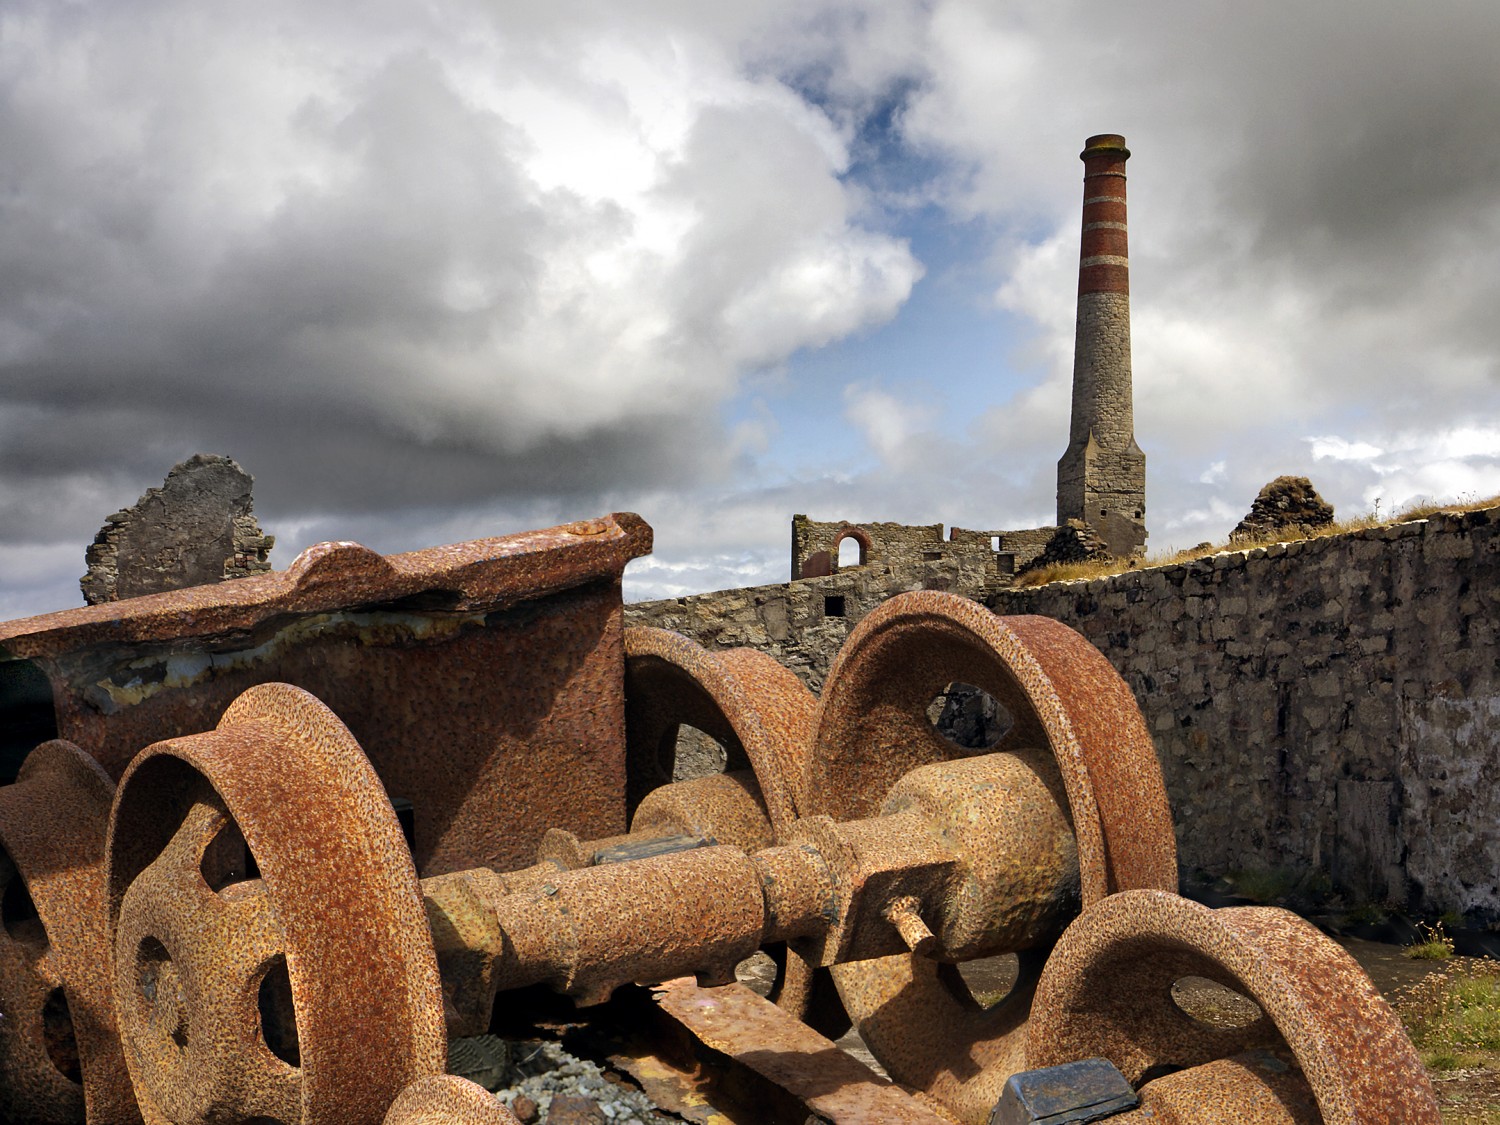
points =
(987, 560)
(1331, 703)
(815, 544)
(198, 527)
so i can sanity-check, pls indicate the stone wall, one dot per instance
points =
(802, 624)
(1329, 704)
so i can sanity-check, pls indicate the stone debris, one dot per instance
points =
(198, 527)
(539, 1081)
(1287, 506)
(1076, 542)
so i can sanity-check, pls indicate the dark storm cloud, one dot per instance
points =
(396, 260)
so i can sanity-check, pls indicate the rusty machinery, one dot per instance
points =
(296, 831)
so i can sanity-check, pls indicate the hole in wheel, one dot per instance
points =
(695, 753)
(989, 980)
(158, 984)
(758, 973)
(1211, 1003)
(58, 1038)
(278, 1016)
(227, 860)
(18, 914)
(969, 717)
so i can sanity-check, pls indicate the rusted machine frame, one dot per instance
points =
(480, 676)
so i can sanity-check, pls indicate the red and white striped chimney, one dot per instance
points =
(1101, 478)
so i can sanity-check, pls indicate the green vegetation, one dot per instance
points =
(1065, 572)
(1436, 946)
(1453, 1015)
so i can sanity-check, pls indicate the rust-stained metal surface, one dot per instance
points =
(1106, 991)
(59, 1051)
(446, 1099)
(333, 928)
(478, 676)
(588, 931)
(757, 1033)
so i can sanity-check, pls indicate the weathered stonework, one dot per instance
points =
(197, 528)
(1328, 704)
(985, 559)
(1286, 505)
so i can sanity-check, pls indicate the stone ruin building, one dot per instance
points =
(1101, 477)
(198, 527)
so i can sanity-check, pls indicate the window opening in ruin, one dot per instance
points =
(969, 717)
(931, 556)
(833, 605)
(995, 543)
(27, 717)
(1211, 1003)
(851, 552)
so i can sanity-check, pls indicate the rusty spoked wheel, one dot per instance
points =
(1069, 708)
(272, 959)
(756, 708)
(59, 1056)
(1327, 1048)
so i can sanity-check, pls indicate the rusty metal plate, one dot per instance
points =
(757, 1033)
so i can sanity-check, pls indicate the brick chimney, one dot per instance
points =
(1101, 478)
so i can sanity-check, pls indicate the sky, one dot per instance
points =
(433, 271)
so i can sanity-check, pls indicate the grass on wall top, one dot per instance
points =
(1068, 572)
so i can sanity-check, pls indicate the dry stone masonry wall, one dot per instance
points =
(1329, 704)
